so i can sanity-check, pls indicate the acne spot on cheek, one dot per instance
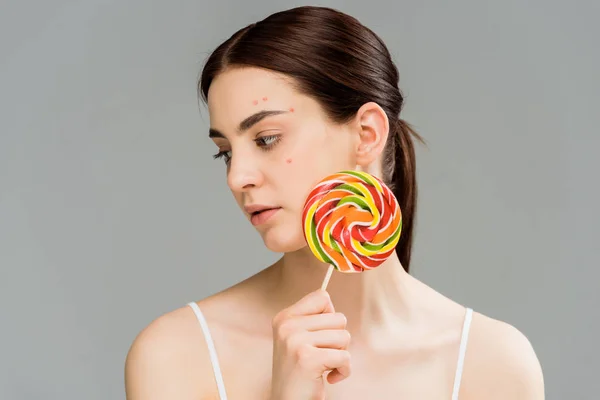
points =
(265, 99)
(291, 109)
(289, 161)
(255, 102)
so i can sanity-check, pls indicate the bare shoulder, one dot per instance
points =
(500, 363)
(169, 360)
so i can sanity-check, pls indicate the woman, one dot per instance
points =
(300, 95)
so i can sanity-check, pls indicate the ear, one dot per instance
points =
(374, 127)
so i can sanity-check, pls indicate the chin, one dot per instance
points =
(284, 239)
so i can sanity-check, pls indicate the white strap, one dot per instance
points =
(461, 353)
(211, 350)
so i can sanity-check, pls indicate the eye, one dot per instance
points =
(226, 155)
(267, 142)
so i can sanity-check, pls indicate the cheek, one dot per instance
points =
(309, 160)
(300, 171)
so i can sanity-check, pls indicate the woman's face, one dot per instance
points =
(276, 144)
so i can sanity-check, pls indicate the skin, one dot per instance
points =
(401, 336)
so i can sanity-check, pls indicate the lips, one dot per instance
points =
(258, 208)
(259, 214)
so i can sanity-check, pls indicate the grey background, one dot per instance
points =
(113, 212)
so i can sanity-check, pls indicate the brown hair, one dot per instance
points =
(341, 64)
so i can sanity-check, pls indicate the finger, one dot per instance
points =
(336, 376)
(316, 302)
(330, 338)
(319, 322)
(338, 361)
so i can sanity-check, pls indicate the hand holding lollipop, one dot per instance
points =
(351, 221)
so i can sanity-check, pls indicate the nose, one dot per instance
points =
(244, 173)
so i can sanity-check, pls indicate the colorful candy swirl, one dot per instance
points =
(352, 221)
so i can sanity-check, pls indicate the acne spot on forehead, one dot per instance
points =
(255, 102)
(291, 109)
(289, 161)
(265, 99)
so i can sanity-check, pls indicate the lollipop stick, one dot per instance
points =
(327, 277)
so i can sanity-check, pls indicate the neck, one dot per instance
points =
(371, 301)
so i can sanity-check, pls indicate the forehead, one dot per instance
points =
(240, 92)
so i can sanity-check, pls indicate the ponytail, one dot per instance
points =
(404, 185)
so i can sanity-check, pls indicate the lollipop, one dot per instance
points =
(351, 221)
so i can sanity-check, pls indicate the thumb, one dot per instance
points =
(338, 375)
(329, 305)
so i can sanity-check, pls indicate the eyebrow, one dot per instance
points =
(247, 123)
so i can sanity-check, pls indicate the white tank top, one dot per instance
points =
(219, 376)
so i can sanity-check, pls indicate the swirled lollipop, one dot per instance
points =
(351, 221)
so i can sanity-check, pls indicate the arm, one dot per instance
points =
(166, 361)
